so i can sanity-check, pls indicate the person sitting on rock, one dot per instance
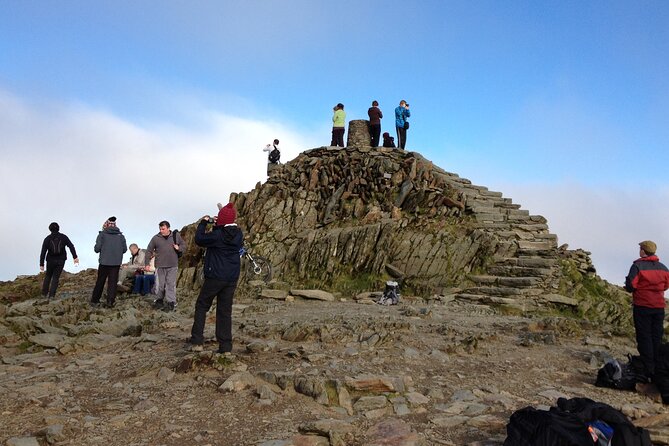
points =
(145, 279)
(388, 141)
(128, 270)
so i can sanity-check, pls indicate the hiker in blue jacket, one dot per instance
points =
(401, 123)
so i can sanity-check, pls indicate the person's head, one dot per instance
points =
(375, 103)
(386, 135)
(276, 142)
(164, 227)
(53, 227)
(110, 223)
(339, 106)
(226, 215)
(403, 103)
(647, 248)
(134, 249)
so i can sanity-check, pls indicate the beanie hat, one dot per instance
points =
(648, 247)
(226, 215)
(110, 223)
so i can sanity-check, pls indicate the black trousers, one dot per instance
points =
(401, 137)
(52, 276)
(108, 273)
(337, 136)
(648, 326)
(375, 133)
(224, 293)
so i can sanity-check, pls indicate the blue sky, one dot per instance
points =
(152, 110)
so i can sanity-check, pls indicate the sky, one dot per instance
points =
(157, 110)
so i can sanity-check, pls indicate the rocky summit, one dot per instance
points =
(494, 316)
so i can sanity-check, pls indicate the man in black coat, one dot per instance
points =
(53, 248)
(221, 272)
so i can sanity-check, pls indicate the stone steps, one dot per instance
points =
(506, 281)
(519, 271)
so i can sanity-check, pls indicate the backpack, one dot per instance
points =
(56, 246)
(391, 295)
(622, 377)
(174, 237)
(574, 422)
(554, 427)
(274, 156)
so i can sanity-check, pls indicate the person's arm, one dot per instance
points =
(181, 244)
(149, 252)
(631, 279)
(42, 254)
(98, 243)
(407, 112)
(125, 244)
(268, 148)
(380, 114)
(203, 238)
(73, 251)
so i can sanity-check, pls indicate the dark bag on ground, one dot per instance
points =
(621, 376)
(574, 422)
(391, 295)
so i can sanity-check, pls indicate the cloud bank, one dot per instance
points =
(77, 166)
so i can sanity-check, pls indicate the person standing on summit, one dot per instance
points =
(111, 245)
(166, 247)
(401, 123)
(338, 125)
(647, 281)
(53, 248)
(375, 116)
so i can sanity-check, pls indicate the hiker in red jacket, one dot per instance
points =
(647, 281)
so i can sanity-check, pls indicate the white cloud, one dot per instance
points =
(78, 166)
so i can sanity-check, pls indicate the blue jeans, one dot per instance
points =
(143, 284)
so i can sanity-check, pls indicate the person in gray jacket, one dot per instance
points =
(111, 246)
(166, 247)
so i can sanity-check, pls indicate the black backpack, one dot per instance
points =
(174, 237)
(274, 156)
(621, 376)
(532, 427)
(56, 245)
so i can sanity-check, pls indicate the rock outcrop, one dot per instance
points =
(347, 219)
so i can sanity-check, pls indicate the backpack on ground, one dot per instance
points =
(391, 295)
(174, 237)
(622, 377)
(274, 155)
(56, 245)
(574, 422)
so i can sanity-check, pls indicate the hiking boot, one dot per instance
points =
(158, 304)
(95, 304)
(169, 307)
(108, 305)
(197, 348)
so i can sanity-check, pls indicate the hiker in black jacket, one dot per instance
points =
(221, 272)
(53, 248)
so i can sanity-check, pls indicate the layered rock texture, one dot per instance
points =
(347, 219)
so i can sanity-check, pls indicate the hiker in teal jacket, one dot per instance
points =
(401, 123)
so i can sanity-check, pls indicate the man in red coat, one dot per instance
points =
(647, 281)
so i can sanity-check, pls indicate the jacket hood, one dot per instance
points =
(112, 230)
